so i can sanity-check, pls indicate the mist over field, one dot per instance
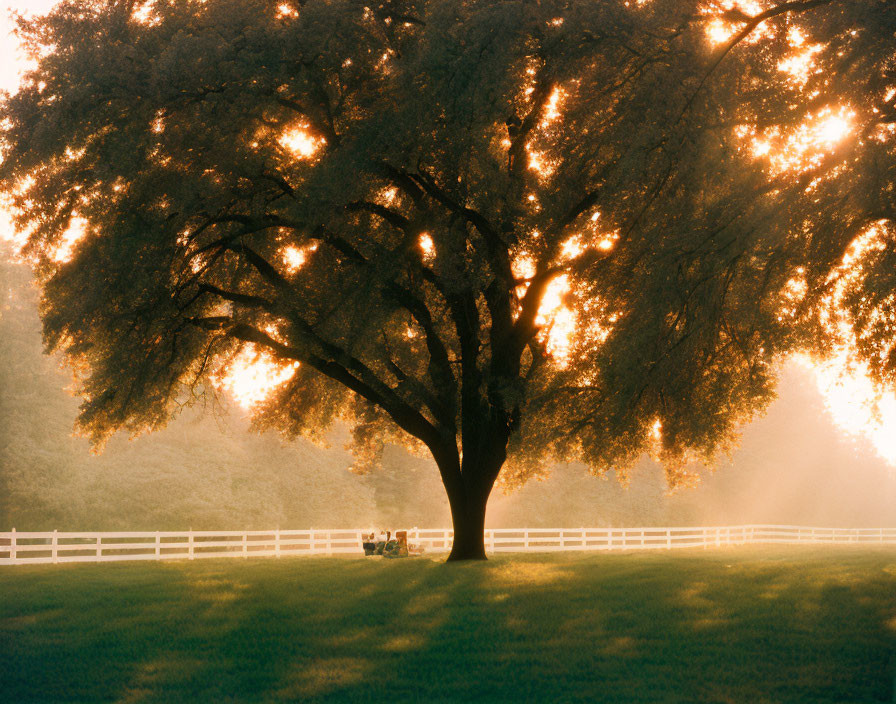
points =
(207, 471)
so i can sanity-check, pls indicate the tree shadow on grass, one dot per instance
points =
(720, 626)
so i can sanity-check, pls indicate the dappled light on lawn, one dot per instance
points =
(776, 624)
(518, 573)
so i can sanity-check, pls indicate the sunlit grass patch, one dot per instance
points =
(753, 624)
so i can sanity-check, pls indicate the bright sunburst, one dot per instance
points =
(252, 375)
(855, 404)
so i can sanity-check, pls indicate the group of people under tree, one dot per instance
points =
(388, 546)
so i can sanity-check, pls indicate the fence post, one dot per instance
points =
(881, 535)
(668, 538)
(55, 552)
(277, 542)
(12, 546)
(609, 538)
(190, 543)
(245, 545)
(329, 545)
(642, 537)
(158, 546)
(526, 538)
(99, 547)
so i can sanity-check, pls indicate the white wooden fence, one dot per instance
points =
(18, 548)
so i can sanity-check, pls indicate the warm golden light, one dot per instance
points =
(800, 65)
(387, 196)
(572, 248)
(805, 146)
(294, 258)
(719, 32)
(143, 14)
(253, 374)
(557, 321)
(74, 234)
(855, 404)
(158, 124)
(729, 17)
(427, 246)
(538, 163)
(300, 142)
(284, 9)
(523, 268)
(552, 108)
(607, 243)
(833, 129)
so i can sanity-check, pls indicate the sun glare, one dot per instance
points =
(728, 18)
(252, 375)
(556, 320)
(143, 14)
(552, 108)
(294, 258)
(300, 142)
(285, 10)
(803, 147)
(855, 404)
(800, 65)
(833, 129)
(70, 238)
(539, 163)
(427, 246)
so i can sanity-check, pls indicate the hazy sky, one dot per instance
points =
(11, 61)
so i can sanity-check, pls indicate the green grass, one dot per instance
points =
(751, 625)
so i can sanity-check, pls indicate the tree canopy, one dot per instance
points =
(498, 230)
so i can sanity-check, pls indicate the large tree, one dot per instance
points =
(506, 232)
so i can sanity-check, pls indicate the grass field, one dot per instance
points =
(747, 624)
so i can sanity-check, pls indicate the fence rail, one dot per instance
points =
(18, 548)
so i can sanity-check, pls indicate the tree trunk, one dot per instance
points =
(468, 517)
(469, 482)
